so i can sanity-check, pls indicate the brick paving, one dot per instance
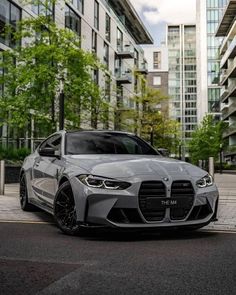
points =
(10, 208)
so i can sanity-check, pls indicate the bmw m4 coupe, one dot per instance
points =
(114, 179)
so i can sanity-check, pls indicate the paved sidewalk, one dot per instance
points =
(10, 208)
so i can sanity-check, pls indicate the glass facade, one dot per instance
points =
(214, 11)
(72, 20)
(183, 78)
(10, 14)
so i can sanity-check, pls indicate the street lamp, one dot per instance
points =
(221, 156)
(61, 104)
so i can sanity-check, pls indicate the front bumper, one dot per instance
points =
(121, 209)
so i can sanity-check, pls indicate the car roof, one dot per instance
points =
(99, 131)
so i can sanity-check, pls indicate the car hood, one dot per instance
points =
(123, 166)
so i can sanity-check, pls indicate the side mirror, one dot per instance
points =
(48, 152)
(163, 152)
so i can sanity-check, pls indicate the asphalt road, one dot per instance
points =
(38, 259)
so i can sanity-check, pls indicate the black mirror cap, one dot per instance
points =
(48, 152)
(163, 152)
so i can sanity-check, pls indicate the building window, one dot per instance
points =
(96, 15)
(106, 54)
(119, 40)
(156, 80)
(157, 60)
(46, 9)
(108, 28)
(9, 15)
(80, 6)
(72, 20)
(96, 76)
(94, 42)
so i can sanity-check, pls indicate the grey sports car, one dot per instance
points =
(114, 179)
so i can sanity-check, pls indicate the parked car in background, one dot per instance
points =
(114, 179)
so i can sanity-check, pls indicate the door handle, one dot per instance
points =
(36, 164)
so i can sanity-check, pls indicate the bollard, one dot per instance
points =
(2, 177)
(211, 166)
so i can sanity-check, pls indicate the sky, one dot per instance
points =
(156, 13)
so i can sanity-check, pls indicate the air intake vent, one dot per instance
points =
(149, 191)
(182, 189)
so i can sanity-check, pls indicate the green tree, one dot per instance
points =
(34, 72)
(151, 120)
(206, 140)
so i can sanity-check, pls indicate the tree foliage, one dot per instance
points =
(34, 73)
(206, 140)
(151, 120)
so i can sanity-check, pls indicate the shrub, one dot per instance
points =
(13, 155)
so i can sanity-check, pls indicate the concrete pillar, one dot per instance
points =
(2, 177)
(211, 166)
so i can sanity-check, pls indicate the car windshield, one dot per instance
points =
(106, 143)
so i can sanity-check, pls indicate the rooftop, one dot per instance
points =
(131, 20)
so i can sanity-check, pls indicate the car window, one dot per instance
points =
(53, 142)
(106, 143)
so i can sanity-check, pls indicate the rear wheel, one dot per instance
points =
(24, 203)
(65, 210)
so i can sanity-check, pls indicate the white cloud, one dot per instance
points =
(170, 11)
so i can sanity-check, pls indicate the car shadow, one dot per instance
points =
(131, 236)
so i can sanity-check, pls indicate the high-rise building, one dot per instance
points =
(209, 13)
(181, 42)
(110, 29)
(227, 30)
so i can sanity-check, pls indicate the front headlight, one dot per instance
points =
(104, 183)
(205, 181)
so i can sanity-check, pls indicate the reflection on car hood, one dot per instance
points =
(131, 165)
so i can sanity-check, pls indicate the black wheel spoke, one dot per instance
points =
(65, 210)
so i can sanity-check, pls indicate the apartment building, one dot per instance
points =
(182, 80)
(111, 29)
(157, 77)
(209, 13)
(227, 30)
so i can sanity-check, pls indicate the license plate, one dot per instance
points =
(160, 203)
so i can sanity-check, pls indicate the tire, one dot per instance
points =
(65, 210)
(24, 203)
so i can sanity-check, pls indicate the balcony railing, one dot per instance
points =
(225, 112)
(223, 76)
(231, 72)
(230, 52)
(232, 87)
(125, 51)
(142, 68)
(123, 76)
(224, 93)
(229, 111)
(230, 130)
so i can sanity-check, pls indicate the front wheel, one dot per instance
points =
(24, 203)
(65, 210)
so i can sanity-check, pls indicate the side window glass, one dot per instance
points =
(53, 142)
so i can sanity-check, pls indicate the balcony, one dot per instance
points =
(231, 72)
(230, 53)
(142, 68)
(230, 130)
(224, 92)
(232, 89)
(225, 111)
(229, 111)
(223, 76)
(126, 51)
(226, 40)
(123, 76)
